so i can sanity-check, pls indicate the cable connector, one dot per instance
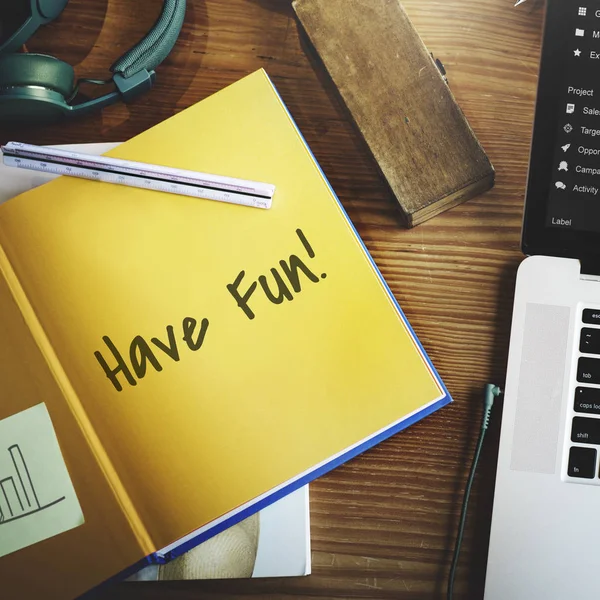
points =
(491, 391)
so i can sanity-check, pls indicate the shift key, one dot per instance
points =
(588, 370)
(585, 430)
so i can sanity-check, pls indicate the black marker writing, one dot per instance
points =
(279, 292)
(141, 354)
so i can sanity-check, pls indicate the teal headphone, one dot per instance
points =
(37, 88)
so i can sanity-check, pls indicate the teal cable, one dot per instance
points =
(491, 391)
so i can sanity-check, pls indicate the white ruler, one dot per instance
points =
(136, 174)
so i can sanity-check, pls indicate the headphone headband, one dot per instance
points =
(41, 12)
(156, 44)
(133, 73)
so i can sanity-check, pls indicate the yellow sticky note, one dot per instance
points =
(37, 498)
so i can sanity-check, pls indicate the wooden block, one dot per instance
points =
(400, 103)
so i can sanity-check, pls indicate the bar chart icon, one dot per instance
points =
(37, 497)
(18, 493)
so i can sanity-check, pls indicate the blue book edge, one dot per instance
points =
(157, 558)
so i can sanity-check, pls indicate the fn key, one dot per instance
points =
(582, 462)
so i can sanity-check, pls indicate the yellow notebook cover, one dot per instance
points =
(194, 360)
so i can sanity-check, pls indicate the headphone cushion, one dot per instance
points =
(37, 69)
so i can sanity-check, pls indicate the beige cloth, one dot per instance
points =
(230, 554)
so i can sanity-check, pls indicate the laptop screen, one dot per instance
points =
(562, 204)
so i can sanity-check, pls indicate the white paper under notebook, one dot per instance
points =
(275, 542)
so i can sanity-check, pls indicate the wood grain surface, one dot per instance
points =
(383, 525)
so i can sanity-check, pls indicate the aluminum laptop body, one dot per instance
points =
(545, 532)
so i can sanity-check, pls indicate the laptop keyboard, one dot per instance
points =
(585, 426)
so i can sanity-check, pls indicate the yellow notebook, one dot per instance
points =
(170, 365)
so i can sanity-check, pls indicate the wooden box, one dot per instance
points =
(400, 102)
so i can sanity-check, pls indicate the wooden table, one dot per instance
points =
(383, 526)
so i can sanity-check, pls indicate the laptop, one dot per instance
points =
(545, 532)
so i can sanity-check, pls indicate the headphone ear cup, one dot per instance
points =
(34, 88)
(37, 70)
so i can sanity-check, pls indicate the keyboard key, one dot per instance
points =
(589, 342)
(591, 316)
(588, 370)
(587, 400)
(585, 430)
(582, 462)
